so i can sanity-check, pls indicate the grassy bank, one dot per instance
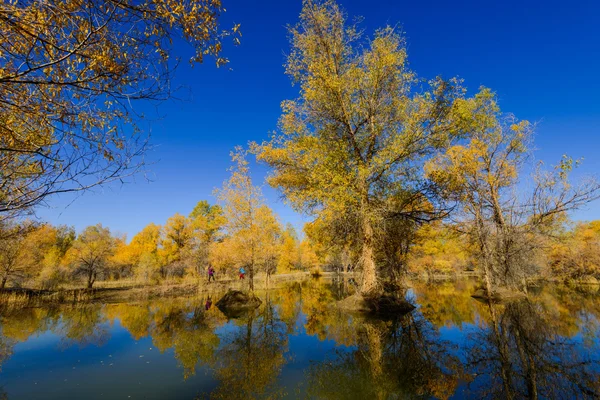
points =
(126, 290)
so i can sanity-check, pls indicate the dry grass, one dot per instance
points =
(131, 289)
(16, 298)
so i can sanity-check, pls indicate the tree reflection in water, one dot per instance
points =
(83, 325)
(252, 355)
(543, 347)
(402, 358)
(189, 330)
(521, 355)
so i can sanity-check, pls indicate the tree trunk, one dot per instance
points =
(503, 249)
(528, 365)
(3, 282)
(375, 358)
(268, 279)
(90, 280)
(503, 354)
(369, 278)
(485, 253)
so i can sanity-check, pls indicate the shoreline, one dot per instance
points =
(107, 292)
(129, 291)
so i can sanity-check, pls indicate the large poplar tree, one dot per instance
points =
(354, 140)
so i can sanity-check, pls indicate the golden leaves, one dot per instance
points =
(70, 72)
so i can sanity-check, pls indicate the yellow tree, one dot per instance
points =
(176, 243)
(92, 252)
(222, 256)
(207, 222)
(482, 174)
(38, 242)
(363, 124)
(144, 248)
(577, 252)
(308, 257)
(437, 249)
(44, 251)
(269, 240)
(10, 249)
(289, 250)
(22, 249)
(70, 72)
(251, 225)
(122, 260)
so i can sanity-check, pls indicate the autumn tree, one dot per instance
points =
(122, 261)
(208, 220)
(437, 248)
(308, 257)
(352, 144)
(482, 173)
(176, 242)
(10, 249)
(289, 250)
(91, 253)
(251, 226)
(223, 257)
(269, 240)
(70, 73)
(144, 252)
(208, 223)
(576, 252)
(334, 243)
(44, 250)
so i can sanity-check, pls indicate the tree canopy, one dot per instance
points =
(70, 72)
(354, 142)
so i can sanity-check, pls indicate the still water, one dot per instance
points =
(296, 345)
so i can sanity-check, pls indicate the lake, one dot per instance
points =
(298, 345)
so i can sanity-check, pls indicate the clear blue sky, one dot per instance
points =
(541, 57)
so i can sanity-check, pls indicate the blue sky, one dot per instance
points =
(541, 57)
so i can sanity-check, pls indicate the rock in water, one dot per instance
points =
(235, 301)
(385, 304)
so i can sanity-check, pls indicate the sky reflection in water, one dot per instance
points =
(296, 345)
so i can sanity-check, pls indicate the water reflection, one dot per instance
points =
(521, 354)
(403, 358)
(251, 357)
(298, 344)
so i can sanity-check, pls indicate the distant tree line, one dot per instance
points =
(240, 231)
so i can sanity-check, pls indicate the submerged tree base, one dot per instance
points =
(385, 304)
(236, 302)
(498, 295)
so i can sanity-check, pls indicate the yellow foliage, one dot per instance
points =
(252, 228)
(362, 125)
(69, 71)
(437, 250)
(577, 253)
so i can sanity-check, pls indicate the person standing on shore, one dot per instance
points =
(211, 273)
